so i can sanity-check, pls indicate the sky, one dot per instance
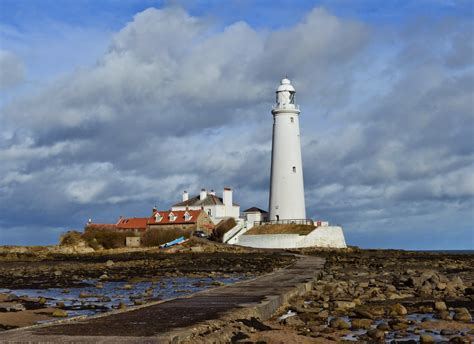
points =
(110, 107)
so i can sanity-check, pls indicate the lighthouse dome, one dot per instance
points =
(285, 85)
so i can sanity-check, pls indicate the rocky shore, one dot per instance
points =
(111, 280)
(370, 296)
(364, 296)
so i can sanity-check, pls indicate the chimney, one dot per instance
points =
(227, 197)
(203, 194)
(212, 193)
(185, 196)
(154, 210)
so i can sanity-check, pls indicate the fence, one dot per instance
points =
(285, 222)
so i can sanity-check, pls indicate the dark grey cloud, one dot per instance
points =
(176, 103)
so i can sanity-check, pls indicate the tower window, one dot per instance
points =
(294, 169)
(292, 120)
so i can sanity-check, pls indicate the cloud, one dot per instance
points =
(12, 70)
(177, 103)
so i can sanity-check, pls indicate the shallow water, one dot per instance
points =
(112, 293)
(412, 333)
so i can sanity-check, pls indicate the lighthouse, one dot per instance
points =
(286, 180)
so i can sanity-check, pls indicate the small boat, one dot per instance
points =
(177, 241)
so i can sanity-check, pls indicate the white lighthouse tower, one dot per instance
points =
(286, 185)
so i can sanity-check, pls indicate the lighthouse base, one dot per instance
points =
(325, 236)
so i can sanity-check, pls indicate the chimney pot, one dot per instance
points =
(185, 196)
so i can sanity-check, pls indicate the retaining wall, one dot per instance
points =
(330, 236)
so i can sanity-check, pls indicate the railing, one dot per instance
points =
(233, 234)
(285, 107)
(285, 222)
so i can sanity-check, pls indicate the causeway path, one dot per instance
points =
(179, 319)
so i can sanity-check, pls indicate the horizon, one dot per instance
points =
(108, 108)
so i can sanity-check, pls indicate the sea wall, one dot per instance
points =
(329, 236)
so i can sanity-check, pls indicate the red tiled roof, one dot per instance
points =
(180, 218)
(133, 223)
(101, 226)
(141, 223)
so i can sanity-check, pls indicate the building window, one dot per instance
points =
(172, 217)
(278, 217)
(294, 169)
(209, 212)
(187, 216)
(292, 120)
(158, 217)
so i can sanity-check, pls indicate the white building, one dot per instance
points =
(216, 207)
(254, 214)
(286, 186)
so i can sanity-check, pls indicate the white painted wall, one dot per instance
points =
(286, 186)
(252, 218)
(330, 236)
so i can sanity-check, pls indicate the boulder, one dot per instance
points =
(398, 325)
(462, 314)
(294, 321)
(109, 263)
(424, 338)
(357, 324)
(440, 306)
(60, 313)
(376, 335)
(344, 305)
(398, 309)
(364, 313)
(339, 324)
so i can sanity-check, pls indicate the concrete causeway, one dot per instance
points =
(181, 318)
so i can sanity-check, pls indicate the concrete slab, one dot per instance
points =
(179, 319)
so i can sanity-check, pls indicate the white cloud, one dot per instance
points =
(12, 70)
(175, 104)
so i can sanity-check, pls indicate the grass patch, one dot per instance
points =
(223, 227)
(281, 229)
(158, 236)
(97, 238)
